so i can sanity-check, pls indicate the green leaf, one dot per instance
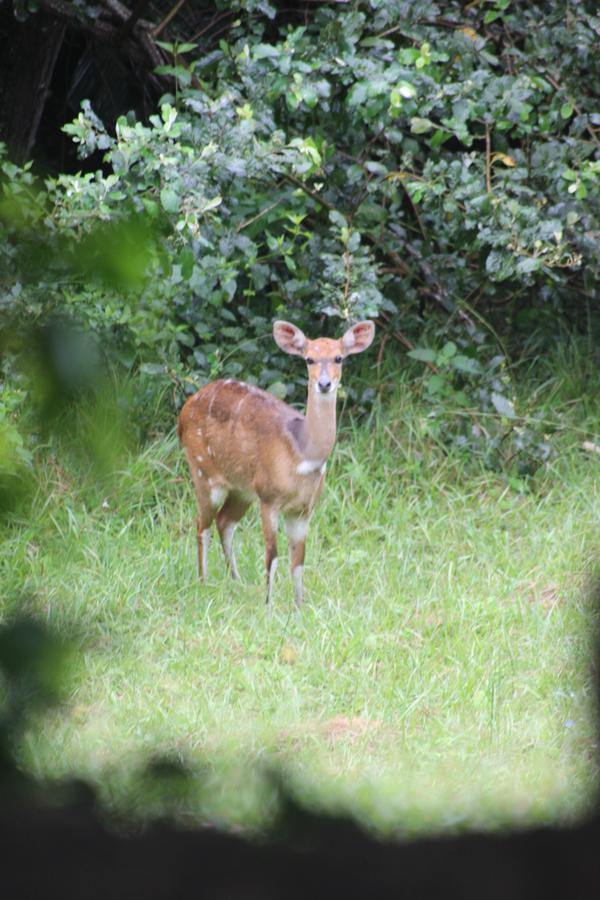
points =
(358, 94)
(491, 16)
(420, 126)
(395, 99)
(186, 48)
(406, 89)
(440, 137)
(212, 203)
(266, 51)
(170, 200)
(186, 261)
(436, 383)
(499, 265)
(422, 354)
(566, 111)
(336, 218)
(448, 350)
(466, 364)
(528, 264)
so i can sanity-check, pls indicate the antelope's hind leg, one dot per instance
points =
(227, 519)
(206, 513)
(296, 528)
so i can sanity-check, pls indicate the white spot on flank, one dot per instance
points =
(209, 450)
(199, 432)
(199, 458)
(217, 495)
(309, 465)
(200, 473)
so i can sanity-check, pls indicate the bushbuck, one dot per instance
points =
(242, 442)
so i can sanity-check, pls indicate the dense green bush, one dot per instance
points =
(430, 165)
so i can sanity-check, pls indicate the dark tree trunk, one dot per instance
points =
(28, 53)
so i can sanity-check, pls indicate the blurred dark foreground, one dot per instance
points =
(55, 840)
(67, 853)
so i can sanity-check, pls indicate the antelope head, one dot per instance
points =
(323, 356)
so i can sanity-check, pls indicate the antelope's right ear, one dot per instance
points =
(289, 338)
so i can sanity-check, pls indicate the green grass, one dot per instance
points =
(439, 673)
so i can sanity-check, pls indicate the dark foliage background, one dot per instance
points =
(431, 166)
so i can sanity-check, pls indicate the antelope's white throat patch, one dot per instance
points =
(307, 466)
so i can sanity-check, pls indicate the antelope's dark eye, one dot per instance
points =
(310, 361)
(338, 359)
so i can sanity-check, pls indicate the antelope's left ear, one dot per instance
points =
(359, 337)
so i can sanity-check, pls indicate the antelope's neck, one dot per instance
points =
(320, 425)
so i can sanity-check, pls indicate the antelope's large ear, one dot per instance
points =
(359, 337)
(289, 338)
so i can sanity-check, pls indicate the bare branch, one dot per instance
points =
(170, 15)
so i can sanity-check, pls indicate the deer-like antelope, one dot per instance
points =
(242, 442)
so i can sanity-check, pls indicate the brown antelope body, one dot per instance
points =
(242, 442)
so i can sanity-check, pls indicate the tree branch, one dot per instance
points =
(170, 15)
(303, 187)
(488, 159)
(383, 321)
(561, 90)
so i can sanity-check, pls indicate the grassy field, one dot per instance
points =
(438, 676)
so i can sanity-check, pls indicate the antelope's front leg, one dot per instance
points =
(269, 516)
(296, 528)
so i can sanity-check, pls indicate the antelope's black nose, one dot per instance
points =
(324, 384)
